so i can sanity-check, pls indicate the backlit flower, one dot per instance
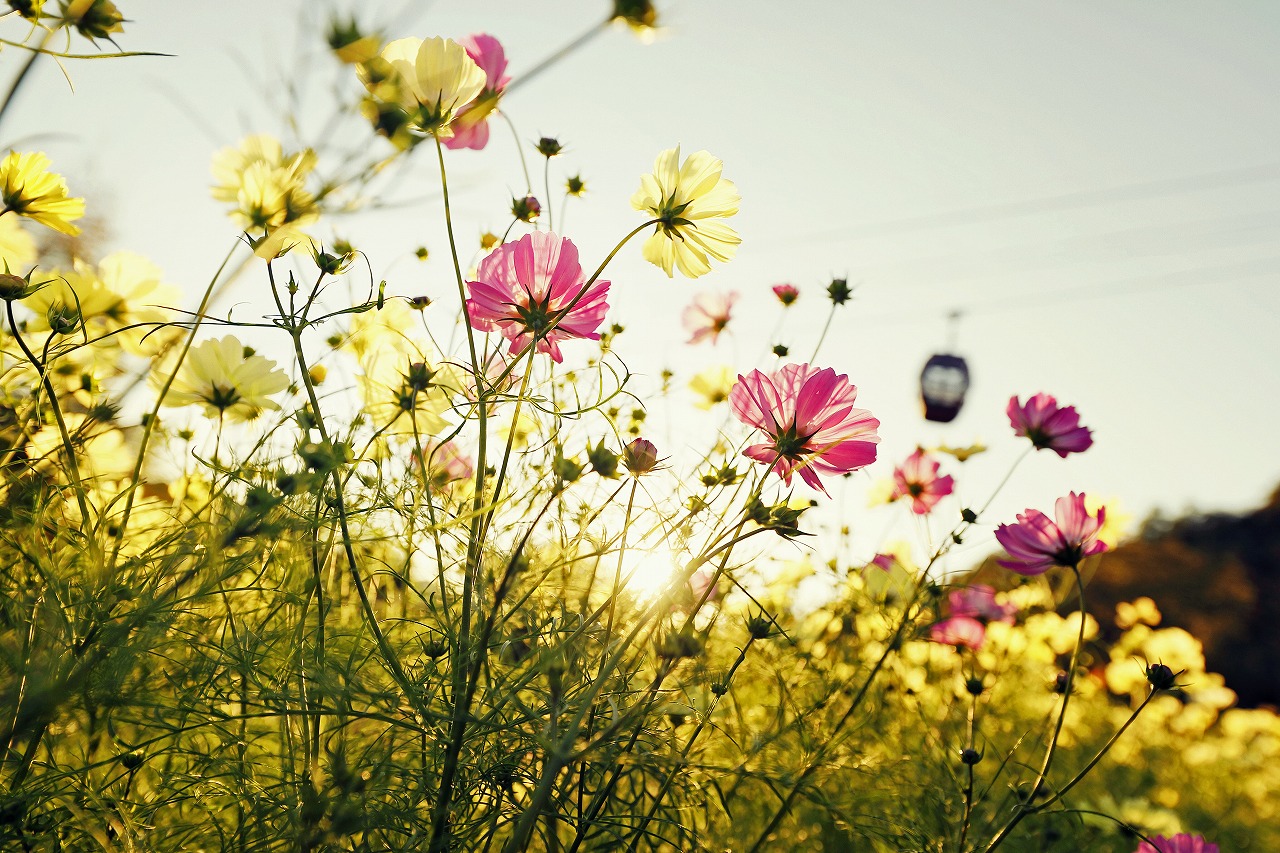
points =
(708, 315)
(230, 164)
(979, 602)
(688, 201)
(434, 79)
(28, 189)
(523, 287)
(640, 457)
(1180, 843)
(1048, 425)
(123, 291)
(959, 631)
(712, 386)
(471, 124)
(223, 378)
(917, 478)
(1036, 543)
(446, 462)
(403, 395)
(809, 417)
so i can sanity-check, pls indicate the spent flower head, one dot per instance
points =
(29, 189)
(689, 200)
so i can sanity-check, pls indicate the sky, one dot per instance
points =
(1092, 184)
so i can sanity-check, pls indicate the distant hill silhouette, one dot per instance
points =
(1215, 574)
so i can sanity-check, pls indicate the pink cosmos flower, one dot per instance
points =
(1048, 425)
(810, 420)
(1180, 843)
(708, 315)
(979, 602)
(471, 124)
(959, 631)
(884, 562)
(971, 608)
(447, 462)
(917, 478)
(522, 286)
(1036, 544)
(786, 293)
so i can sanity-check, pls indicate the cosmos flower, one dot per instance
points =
(471, 124)
(969, 610)
(917, 478)
(1180, 843)
(689, 202)
(808, 415)
(708, 315)
(979, 602)
(960, 631)
(522, 288)
(434, 79)
(712, 386)
(29, 189)
(226, 379)
(1048, 425)
(404, 395)
(17, 249)
(124, 290)
(1036, 543)
(446, 463)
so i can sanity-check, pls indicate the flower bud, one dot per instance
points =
(526, 209)
(1161, 677)
(549, 147)
(603, 460)
(12, 286)
(640, 457)
(575, 186)
(839, 291)
(970, 756)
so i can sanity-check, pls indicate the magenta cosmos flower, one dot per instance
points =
(917, 478)
(1180, 843)
(471, 124)
(1036, 543)
(708, 315)
(1048, 425)
(810, 420)
(971, 608)
(959, 631)
(522, 286)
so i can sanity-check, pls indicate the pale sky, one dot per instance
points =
(1093, 182)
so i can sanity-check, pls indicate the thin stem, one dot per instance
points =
(1027, 805)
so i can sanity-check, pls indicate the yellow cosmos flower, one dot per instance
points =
(395, 327)
(712, 386)
(435, 79)
(220, 376)
(123, 290)
(688, 200)
(28, 189)
(230, 164)
(403, 396)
